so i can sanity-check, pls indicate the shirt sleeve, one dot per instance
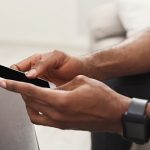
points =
(134, 15)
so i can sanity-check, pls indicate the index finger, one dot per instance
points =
(44, 94)
(26, 64)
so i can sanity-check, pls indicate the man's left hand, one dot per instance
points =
(81, 104)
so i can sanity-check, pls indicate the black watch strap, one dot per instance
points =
(135, 122)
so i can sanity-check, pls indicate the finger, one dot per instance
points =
(52, 61)
(27, 63)
(47, 95)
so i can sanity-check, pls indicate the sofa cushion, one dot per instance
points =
(106, 29)
(104, 22)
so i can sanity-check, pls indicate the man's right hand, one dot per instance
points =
(55, 66)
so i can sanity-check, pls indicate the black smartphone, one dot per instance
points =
(11, 74)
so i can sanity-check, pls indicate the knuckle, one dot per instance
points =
(12, 86)
(80, 78)
(37, 55)
(34, 58)
(41, 62)
(56, 51)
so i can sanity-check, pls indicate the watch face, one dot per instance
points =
(135, 130)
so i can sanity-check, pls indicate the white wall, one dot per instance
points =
(41, 22)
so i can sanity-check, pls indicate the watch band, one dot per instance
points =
(137, 106)
(136, 122)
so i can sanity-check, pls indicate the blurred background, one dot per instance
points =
(31, 26)
(73, 26)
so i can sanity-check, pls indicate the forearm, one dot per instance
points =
(127, 58)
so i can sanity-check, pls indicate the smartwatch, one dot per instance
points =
(136, 122)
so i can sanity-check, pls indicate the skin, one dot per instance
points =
(128, 58)
(80, 102)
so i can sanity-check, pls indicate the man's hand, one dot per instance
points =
(55, 66)
(81, 104)
(121, 60)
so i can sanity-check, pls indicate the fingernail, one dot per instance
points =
(2, 83)
(31, 73)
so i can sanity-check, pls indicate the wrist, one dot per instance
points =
(93, 65)
(136, 119)
(88, 68)
(103, 65)
(125, 102)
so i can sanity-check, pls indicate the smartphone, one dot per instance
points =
(11, 74)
